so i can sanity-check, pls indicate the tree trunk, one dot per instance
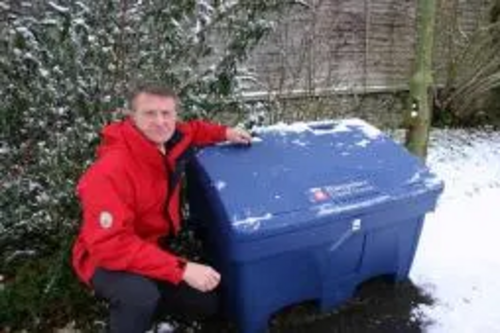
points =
(419, 109)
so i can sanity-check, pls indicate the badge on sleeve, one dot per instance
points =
(105, 220)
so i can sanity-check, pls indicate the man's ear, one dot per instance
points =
(129, 108)
(179, 111)
(125, 112)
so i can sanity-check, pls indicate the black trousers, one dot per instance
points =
(136, 301)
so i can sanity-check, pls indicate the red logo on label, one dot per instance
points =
(319, 194)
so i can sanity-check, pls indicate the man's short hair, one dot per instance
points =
(152, 88)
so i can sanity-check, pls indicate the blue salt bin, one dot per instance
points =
(308, 212)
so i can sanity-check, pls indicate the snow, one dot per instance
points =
(457, 261)
(220, 185)
(163, 327)
(284, 128)
(58, 8)
(363, 143)
(256, 140)
(334, 208)
(227, 5)
(299, 143)
(25, 32)
(369, 130)
(79, 21)
(43, 72)
(324, 127)
(251, 222)
(20, 253)
(4, 6)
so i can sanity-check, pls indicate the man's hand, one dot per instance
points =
(238, 135)
(201, 277)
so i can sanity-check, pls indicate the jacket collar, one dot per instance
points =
(125, 135)
(141, 148)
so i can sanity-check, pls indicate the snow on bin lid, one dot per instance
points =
(324, 168)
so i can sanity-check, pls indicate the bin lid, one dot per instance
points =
(317, 168)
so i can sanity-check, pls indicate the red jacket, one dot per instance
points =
(124, 197)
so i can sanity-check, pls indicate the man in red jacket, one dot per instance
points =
(130, 202)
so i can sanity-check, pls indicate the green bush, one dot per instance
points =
(44, 294)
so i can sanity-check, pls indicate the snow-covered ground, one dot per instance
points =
(458, 259)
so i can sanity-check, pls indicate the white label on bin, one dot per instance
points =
(349, 189)
(356, 225)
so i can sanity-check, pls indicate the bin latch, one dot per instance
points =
(355, 227)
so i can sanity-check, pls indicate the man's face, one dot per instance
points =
(155, 116)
